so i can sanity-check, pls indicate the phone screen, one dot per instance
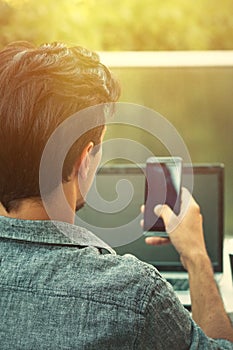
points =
(163, 186)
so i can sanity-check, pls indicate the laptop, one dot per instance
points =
(208, 192)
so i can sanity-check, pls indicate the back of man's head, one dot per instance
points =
(41, 87)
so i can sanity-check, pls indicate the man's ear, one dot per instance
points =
(82, 165)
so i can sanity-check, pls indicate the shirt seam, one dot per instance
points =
(62, 294)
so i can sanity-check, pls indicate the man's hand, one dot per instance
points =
(185, 230)
(186, 234)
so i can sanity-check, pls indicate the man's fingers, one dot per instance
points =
(157, 240)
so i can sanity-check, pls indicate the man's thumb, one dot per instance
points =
(165, 212)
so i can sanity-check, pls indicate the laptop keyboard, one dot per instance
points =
(179, 283)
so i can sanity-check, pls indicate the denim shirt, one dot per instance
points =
(62, 293)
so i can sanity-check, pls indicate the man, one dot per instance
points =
(59, 293)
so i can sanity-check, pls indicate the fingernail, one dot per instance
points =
(158, 209)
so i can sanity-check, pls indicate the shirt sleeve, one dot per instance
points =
(200, 341)
(168, 325)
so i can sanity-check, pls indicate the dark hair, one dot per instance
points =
(39, 88)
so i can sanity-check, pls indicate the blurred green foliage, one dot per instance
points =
(120, 24)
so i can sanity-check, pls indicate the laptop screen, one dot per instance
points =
(208, 192)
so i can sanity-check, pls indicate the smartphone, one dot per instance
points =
(163, 186)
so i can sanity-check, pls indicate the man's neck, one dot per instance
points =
(34, 209)
(28, 210)
(62, 205)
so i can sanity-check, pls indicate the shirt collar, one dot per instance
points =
(50, 232)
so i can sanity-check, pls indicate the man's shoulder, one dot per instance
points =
(121, 280)
(130, 266)
(109, 266)
(124, 278)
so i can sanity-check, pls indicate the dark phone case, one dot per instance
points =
(170, 196)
